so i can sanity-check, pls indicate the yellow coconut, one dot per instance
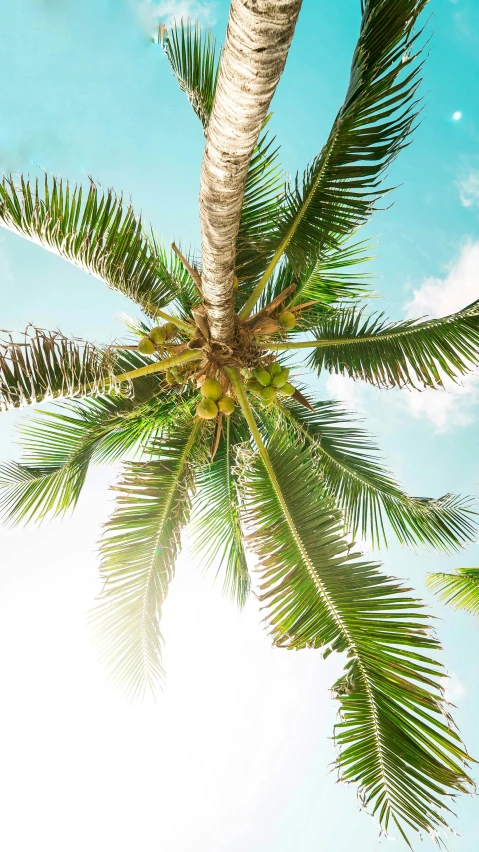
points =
(226, 405)
(207, 409)
(146, 346)
(211, 389)
(158, 335)
(287, 320)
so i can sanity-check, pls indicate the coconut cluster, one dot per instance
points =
(214, 402)
(268, 381)
(157, 337)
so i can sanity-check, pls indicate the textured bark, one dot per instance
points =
(257, 42)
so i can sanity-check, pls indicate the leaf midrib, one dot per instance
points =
(310, 568)
(163, 516)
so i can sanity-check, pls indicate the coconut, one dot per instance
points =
(211, 389)
(170, 377)
(279, 380)
(287, 389)
(158, 334)
(268, 396)
(254, 387)
(287, 320)
(207, 409)
(264, 378)
(226, 405)
(146, 346)
(274, 368)
(171, 329)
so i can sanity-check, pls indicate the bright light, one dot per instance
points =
(456, 116)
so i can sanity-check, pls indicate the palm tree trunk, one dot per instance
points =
(257, 42)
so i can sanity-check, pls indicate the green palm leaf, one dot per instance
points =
(191, 53)
(324, 281)
(41, 365)
(216, 529)
(259, 214)
(97, 233)
(348, 462)
(460, 589)
(394, 737)
(60, 445)
(138, 553)
(341, 187)
(395, 354)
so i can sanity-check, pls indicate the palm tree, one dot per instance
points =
(461, 589)
(218, 432)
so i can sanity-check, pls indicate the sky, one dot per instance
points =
(237, 752)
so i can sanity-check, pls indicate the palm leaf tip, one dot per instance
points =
(394, 735)
(191, 53)
(216, 526)
(349, 464)
(460, 589)
(138, 554)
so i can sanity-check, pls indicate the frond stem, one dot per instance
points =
(258, 290)
(235, 379)
(158, 366)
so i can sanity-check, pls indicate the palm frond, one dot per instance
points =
(40, 365)
(59, 445)
(186, 295)
(259, 214)
(192, 55)
(138, 553)
(216, 529)
(352, 473)
(396, 354)
(341, 187)
(97, 233)
(460, 589)
(324, 281)
(395, 737)
(333, 278)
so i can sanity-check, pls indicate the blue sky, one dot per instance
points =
(236, 753)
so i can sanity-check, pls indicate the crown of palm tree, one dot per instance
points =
(292, 478)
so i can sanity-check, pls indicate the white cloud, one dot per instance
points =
(455, 689)
(437, 297)
(456, 116)
(456, 405)
(153, 12)
(469, 189)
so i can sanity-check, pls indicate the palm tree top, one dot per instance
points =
(203, 400)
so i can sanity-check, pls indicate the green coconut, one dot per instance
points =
(274, 368)
(158, 334)
(264, 378)
(268, 395)
(171, 329)
(207, 409)
(211, 389)
(170, 377)
(287, 389)
(280, 380)
(226, 405)
(287, 320)
(146, 346)
(254, 387)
